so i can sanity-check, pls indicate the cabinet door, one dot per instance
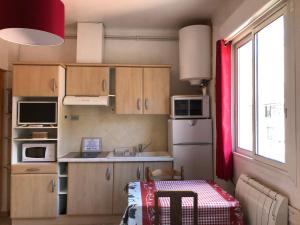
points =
(123, 174)
(156, 91)
(35, 80)
(33, 196)
(87, 81)
(129, 93)
(90, 188)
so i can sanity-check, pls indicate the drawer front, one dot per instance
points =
(34, 168)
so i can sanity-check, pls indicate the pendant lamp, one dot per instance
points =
(32, 22)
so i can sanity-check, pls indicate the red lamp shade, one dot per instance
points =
(32, 22)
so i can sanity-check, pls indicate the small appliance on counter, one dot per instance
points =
(38, 152)
(90, 147)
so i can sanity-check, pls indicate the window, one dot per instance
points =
(270, 90)
(245, 96)
(260, 90)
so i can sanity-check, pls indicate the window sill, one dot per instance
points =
(262, 164)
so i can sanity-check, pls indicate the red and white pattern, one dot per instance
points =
(215, 206)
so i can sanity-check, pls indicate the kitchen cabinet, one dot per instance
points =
(123, 174)
(129, 90)
(87, 81)
(90, 188)
(35, 80)
(33, 196)
(156, 90)
(142, 90)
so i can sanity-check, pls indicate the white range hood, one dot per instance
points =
(90, 43)
(85, 100)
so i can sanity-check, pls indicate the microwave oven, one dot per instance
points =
(38, 152)
(189, 106)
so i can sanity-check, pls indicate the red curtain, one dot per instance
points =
(224, 157)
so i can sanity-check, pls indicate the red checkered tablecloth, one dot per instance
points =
(215, 206)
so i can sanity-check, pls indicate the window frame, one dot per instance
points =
(248, 34)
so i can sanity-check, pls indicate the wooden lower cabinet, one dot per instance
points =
(33, 196)
(90, 188)
(123, 174)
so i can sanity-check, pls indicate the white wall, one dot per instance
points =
(231, 15)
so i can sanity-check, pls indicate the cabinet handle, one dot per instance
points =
(125, 189)
(32, 170)
(107, 174)
(138, 104)
(146, 103)
(53, 186)
(138, 173)
(104, 85)
(53, 85)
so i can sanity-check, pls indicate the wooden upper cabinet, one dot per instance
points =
(87, 81)
(156, 91)
(142, 90)
(90, 188)
(34, 80)
(129, 90)
(33, 196)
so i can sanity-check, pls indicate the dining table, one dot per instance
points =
(215, 206)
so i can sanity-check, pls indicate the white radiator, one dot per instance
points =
(261, 205)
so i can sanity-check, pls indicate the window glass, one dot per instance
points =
(196, 107)
(244, 98)
(270, 91)
(181, 107)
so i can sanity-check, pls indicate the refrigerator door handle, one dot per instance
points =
(192, 122)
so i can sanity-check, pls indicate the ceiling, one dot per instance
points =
(146, 14)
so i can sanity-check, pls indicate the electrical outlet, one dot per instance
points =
(72, 117)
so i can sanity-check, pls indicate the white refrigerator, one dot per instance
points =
(190, 143)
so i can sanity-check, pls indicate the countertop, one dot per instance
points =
(139, 157)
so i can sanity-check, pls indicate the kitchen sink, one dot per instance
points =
(139, 154)
(124, 154)
(152, 154)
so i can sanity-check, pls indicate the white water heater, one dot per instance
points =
(195, 53)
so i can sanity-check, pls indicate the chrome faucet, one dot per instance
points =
(142, 147)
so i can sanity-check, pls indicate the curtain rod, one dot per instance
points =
(134, 37)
